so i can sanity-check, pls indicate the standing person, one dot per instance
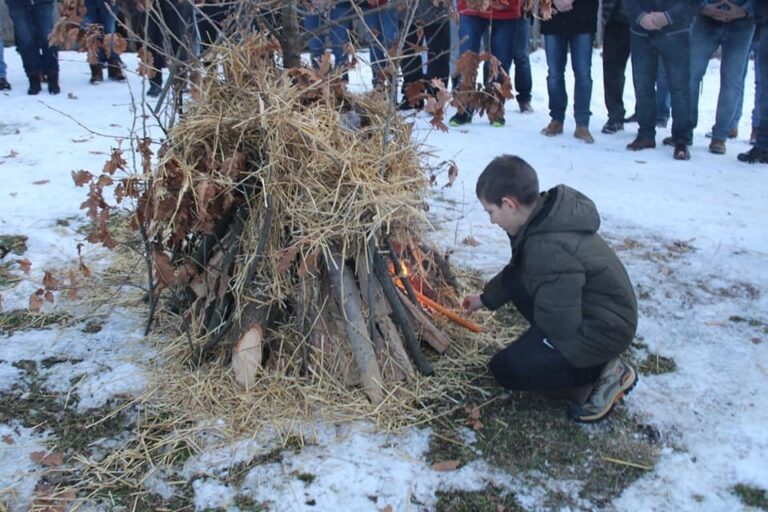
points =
(501, 23)
(759, 152)
(661, 29)
(380, 19)
(615, 58)
(32, 22)
(172, 33)
(103, 14)
(431, 29)
(522, 62)
(4, 85)
(734, 130)
(339, 16)
(573, 27)
(567, 282)
(730, 25)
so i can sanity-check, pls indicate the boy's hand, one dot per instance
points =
(471, 303)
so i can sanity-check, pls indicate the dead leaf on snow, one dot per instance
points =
(50, 282)
(81, 177)
(453, 173)
(36, 300)
(25, 265)
(7, 439)
(446, 465)
(48, 458)
(41, 182)
(12, 154)
(470, 241)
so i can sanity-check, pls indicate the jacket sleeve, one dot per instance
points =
(683, 9)
(495, 293)
(555, 278)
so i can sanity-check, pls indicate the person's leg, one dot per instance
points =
(340, 18)
(556, 49)
(438, 35)
(759, 153)
(316, 43)
(705, 38)
(383, 25)
(532, 363)
(581, 63)
(43, 19)
(734, 124)
(758, 86)
(522, 61)
(615, 56)
(410, 65)
(675, 54)
(645, 63)
(25, 34)
(2, 61)
(733, 63)
(471, 30)
(663, 100)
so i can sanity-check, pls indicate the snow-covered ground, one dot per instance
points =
(689, 233)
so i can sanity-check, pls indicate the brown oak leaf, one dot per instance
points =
(36, 300)
(81, 177)
(446, 465)
(50, 282)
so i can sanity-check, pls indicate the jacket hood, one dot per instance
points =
(561, 209)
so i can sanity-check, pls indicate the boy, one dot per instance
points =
(567, 282)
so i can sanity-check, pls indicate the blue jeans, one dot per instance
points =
(523, 80)
(102, 12)
(762, 63)
(663, 101)
(502, 37)
(2, 62)
(382, 23)
(674, 50)
(31, 26)
(734, 38)
(336, 37)
(753, 49)
(581, 61)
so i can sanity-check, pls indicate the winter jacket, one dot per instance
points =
(582, 19)
(747, 5)
(427, 11)
(613, 10)
(566, 280)
(511, 10)
(679, 13)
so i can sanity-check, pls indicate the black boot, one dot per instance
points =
(97, 74)
(53, 83)
(34, 85)
(155, 85)
(4, 85)
(115, 72)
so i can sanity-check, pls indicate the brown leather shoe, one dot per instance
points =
(733, 133)
(553, 128)
(668, 141)
(717, 146)
(681, 152)
(582, 133)
(641, 143)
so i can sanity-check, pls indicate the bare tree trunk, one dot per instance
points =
(290, 34)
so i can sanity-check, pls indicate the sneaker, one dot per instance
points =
(612, 127)
(553, 128)
(582, 133)
(525, 107)
(681, 152)
(615, 381)
(717, 146)
(498, 123)
(460, 119)
(631, 119)
(641, 143)
(754, 156)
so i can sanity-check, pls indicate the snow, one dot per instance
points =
(710, 411)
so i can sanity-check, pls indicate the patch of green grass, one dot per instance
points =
(656, 364)
(53, 361)
(15, 244)
(307, 478)
(752, 496)
(22, 319)
(92, 327)
(489, 499)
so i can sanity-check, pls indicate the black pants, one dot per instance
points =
(615, 58)
(530, 364)
(438, 35)
(171, 30)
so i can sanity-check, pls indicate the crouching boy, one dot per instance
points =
(567, 282)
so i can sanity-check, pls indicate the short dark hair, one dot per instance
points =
(508, 176)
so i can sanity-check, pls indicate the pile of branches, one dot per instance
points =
(280, 202)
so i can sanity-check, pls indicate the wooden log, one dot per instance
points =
(426, 330)
(346, 294)
(246, 356)
(399, 314)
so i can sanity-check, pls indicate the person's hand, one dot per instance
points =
(563, 5)
(646, 21)
(659, 19)
(734, 12)
(471, 303)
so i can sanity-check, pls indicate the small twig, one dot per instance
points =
(626, 463)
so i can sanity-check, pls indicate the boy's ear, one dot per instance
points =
(510, 202)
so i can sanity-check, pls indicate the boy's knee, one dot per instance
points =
(507, 369)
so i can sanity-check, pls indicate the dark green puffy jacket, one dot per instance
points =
(565, 279)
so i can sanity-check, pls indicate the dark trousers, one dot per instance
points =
(615, 56)
(531, 364)
(674, 51)
(762, 63)
(103, 13)
(172, 31)
(522, 61)
(438, 35)
(31, 26)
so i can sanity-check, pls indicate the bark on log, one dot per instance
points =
(426, 330)
(347, 296)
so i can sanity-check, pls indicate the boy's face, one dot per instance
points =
(508, 216)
